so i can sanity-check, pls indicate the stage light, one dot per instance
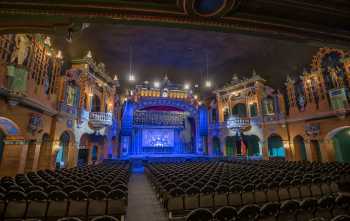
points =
(195, 96)
(196, 86)
(131, 78)
(207, 83)
(156, 84)
(187, 86)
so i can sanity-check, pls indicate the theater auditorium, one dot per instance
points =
(174, 110)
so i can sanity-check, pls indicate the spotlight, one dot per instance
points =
(196, 86)
(131, 78)
(208, 83)
(195, 96)
(187, 86)
(156, 84)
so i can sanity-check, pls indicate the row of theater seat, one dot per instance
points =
(268, 212)
(190, 185)
(70, 192)
(72, 218)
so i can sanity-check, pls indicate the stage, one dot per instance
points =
(164, 156)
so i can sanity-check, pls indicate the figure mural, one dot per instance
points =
(22, 49)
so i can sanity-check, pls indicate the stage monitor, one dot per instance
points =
(157, 137)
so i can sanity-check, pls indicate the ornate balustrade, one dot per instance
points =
(99, 120)
(159, 118)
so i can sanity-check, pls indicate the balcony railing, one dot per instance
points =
(99, 120)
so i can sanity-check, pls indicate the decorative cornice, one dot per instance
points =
(230, 17)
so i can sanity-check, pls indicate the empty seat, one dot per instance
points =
(206, 197)
(105, 218)
(325, 207)
(175, 201)
(341, 218)
(97, 203)
(37, 204)
(221, 196)
(77, 204)
(16, 205)
(235, 197)
(248, 213)
(58, 203)
(191, 199)
(116, 202)
(308, 208)
(288, 210)
(225, 213)
(200, 215)
(269, 211)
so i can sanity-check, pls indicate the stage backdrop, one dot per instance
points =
(157, 138)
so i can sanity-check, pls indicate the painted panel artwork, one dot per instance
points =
(158, 138)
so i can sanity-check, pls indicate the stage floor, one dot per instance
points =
(147, 156)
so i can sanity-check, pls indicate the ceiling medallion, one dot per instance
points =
(209, 8)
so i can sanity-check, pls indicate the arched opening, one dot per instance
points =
(341, 145)
(240, 110)
(226, 114)
(94, 153)
(315, 151)
(45, 150)
(276, 147)
(62, 153)
(214, 115)
(83, 153)
(96, 104)
(230, 145)
(299, 146)
(2, 143)
(252, 145)
(216, 146)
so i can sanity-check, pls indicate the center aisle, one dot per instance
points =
(142, 202)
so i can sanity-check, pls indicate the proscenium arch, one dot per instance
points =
(144, 103)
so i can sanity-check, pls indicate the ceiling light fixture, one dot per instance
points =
(156, 84)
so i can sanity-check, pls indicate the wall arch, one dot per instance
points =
(339, 144)
(45, 150)
(299, 147)
(230, 145)
(240, 110)
(96, 104)
(9, 127)
(2, 143)
(64, 153)
(275, 146)
(216, 146)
